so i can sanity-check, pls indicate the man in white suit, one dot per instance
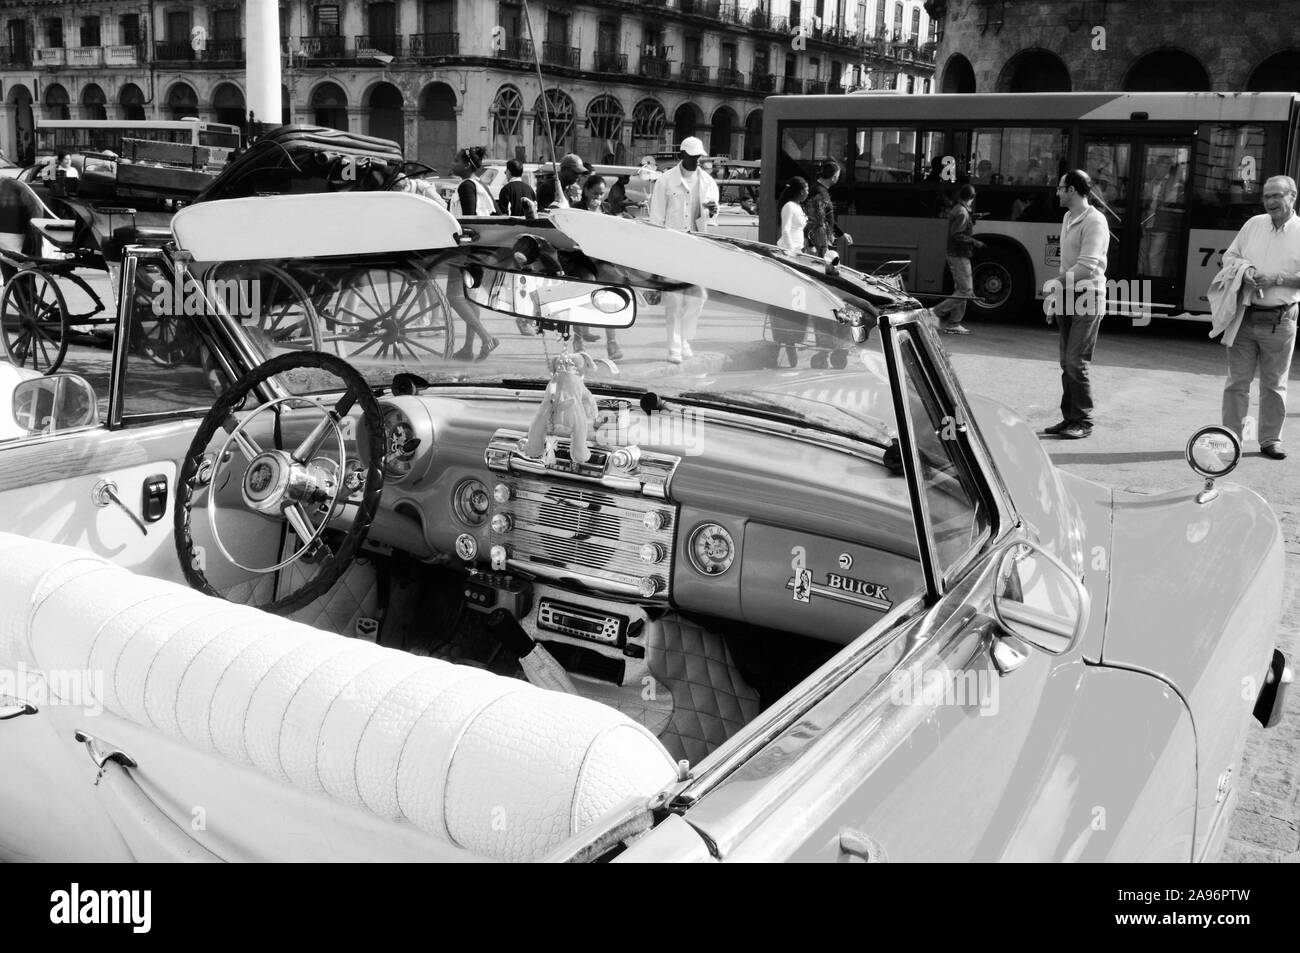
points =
(686, 199)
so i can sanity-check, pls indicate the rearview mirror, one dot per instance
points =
(557, 300)
(54, 403)
(1039, 600)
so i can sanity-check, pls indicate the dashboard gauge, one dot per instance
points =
(400, 444)
(712, 550)
(466, 547)
(470, 502)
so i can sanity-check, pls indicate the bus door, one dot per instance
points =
(1142, 184)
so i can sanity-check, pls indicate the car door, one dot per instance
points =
(940, 734)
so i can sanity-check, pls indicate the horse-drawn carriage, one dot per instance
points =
(87, 229)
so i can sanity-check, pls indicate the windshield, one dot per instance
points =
(419, 316)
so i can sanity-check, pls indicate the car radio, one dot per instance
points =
(582, 622)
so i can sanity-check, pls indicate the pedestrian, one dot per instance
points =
(794, 220)
(822, 231)
(593, 200)
(510, 201)
(685, 198)
(1085, 238)
(471, 198)
(962, 245)
(554, 192)
(18, 206)
(1267, 252)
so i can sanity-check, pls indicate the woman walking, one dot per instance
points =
(470, 199)
(593, 200)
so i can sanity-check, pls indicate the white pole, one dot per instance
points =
(263, 60)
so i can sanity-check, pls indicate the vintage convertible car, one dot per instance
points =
(345, 591)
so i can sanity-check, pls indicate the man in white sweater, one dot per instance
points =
(1268, 248)
(686, 199)
(1085, 238)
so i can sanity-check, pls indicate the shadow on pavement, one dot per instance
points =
(1136, 457)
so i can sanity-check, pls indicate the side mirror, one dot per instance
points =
(1212, 452)
(54, 403)
(1038, 600)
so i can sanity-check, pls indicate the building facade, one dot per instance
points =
(622, 77)
(1138, 45)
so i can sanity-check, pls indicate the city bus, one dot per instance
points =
(100, 135)
(1177, 175)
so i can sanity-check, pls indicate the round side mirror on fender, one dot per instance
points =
(1212, 452)
(1038, 600)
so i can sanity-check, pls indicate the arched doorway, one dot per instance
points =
(559, 109)
(725, 124)
(753, 135)
(507, 114)
(1167, 71)
(436, 125)
(130, 102)
(648, 123)
(94, 105)
(329, 106)
(56, 102)
(1280, 73)
(182, 101)
(604, 142)
(24, 128)
(228, 105)
(686, 122)
(384, 113)
(1035, 71)
(958, 75)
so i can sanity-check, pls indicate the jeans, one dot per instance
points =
(1265, 343)
(682, 313)
(962, 284)
(1078, 336)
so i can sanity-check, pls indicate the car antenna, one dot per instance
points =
(546, 105)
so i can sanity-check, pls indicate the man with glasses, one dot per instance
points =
(1268, 248)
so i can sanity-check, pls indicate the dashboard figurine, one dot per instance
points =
(567, 408)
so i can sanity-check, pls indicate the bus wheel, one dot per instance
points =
(1001, 284)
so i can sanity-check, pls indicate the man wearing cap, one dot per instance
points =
(572, 171)
(685, 198)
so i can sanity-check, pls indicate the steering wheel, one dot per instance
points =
(286, 484)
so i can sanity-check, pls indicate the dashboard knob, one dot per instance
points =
(502, 523)
(498, 555)
(654, 521)
(625, 458)
(502, 493)
(648, 586)
(653, 552)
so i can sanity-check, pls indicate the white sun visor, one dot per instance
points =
(680, 256)
(309, 226)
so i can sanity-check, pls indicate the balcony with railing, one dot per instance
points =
(51, 56)
(173, 51)
(225, 50)
(701, 8)
(763, 83)
(731, 78)
(611, 61)
(123, 54)
(387, 43)
(431, 45)
(695, 73)
(791, 85)
(85, 56)
(655, 67)
(816, 87)
(516, 48)
(323, 47)
(558, 54)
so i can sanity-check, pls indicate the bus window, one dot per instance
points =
(1232, 162)
(885, 155)
(945, 157)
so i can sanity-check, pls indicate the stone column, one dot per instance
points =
(262, 42)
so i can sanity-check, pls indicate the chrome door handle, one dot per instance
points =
(105, 492)
(854, 843)
(16, 711)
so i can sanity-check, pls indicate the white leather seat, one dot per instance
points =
(450, 749)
